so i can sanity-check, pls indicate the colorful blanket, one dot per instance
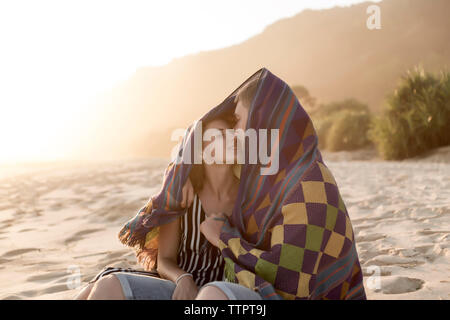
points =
(289, 235)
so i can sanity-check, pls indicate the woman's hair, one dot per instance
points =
(247, 92)
(197, 173)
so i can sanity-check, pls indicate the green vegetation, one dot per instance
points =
(342, 125)
(349, 132)
(416, 118)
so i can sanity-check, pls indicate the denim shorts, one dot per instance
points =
(141, 287)
(145, 287)
(235, 291)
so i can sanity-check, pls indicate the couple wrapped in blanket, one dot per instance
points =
(282, 235)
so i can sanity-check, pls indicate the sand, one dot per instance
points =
(59, 222)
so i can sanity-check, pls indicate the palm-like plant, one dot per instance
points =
(416, 118)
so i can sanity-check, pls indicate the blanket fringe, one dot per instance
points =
(130, 241)
(146, 257)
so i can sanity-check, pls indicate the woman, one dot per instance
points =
(185, 259)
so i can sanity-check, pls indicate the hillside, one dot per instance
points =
(330, 52)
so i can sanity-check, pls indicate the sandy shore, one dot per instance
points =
(59, 222)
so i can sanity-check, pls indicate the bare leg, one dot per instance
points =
(107, 288)
(84, 293)
(211, 293)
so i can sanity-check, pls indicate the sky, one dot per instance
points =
(55, 56)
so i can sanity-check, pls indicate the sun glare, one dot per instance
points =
(57, 55)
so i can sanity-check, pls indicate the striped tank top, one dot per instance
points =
(196, 254)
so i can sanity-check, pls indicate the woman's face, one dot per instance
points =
(218, 137)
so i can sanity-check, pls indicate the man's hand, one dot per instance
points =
(212, 226)
(188, 194)
(185, 290)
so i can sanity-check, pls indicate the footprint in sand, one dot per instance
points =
(29, 293)
(71, 218)
(7, 223)
(384, 259)
(365, 237)
(114, 255)
(432, 232)
(425, 248)
(117, 257)
(56, 288)
(27, 229)
(46, 277)
(79, 235)
(383, 271)
(396, 284)
(17, 252)
(12, 297)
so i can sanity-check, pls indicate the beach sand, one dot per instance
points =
(59, 222)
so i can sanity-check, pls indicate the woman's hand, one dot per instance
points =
(212, 226)
(185, 290)
(188, 194)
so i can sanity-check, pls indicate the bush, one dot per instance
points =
(322, 127)
(342, 125)
(416, 118)
(326, 110)
(349, 131)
